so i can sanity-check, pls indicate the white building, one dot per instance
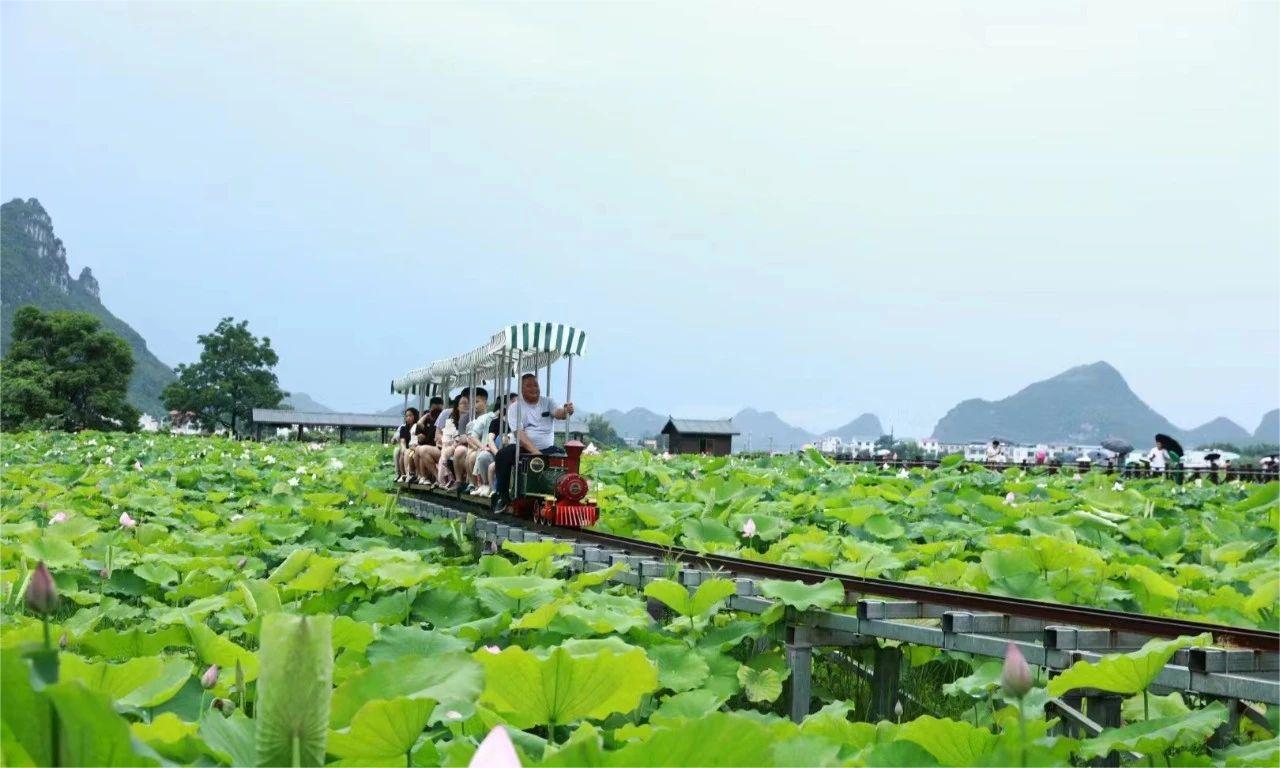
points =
(148, 423)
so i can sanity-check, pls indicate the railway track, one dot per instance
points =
(1259, 640)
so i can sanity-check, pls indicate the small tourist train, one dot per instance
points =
(532, 474)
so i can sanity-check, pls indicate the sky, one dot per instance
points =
(817, 209)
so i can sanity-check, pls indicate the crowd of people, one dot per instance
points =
(470, 446)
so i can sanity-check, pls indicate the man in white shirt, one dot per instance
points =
(533, 419)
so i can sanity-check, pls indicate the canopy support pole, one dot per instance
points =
(568, 397)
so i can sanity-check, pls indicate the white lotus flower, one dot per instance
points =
(111, 449)
(60, 517)
(107, 460)
(137, 465)
(1119, 486)
(92, 442)
(453, 714)
(126, 521)
(235, 518)
(335, 464)
(903, 474)
(302, 470)
(749, 528)
(293, 481)
(1199, 482)
(1009, 497)
(269, 459)
(1076, 476)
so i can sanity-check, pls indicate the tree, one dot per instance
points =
(603, 434)
(232, 377)
(64, 371)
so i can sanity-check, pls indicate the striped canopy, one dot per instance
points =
(527, 345)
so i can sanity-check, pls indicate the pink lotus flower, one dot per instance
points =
(42, 593)
(749, 528)
(1009, 497)
(493, 649)
(1015, 677)
(210, 677)
(60, 517)
(126, 521)
(496, 751)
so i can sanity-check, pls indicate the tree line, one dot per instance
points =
(64, 371)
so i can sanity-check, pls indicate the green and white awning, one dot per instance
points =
(522, 346)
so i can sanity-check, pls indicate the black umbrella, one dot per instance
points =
(1169, 443)
(1116, 445)
(1212, 456)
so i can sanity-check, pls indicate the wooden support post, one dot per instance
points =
(342, 435)
(1104, 709)
(884, 682)
(299, 433)
(1066, 727)
(800, 656)
(382, 435)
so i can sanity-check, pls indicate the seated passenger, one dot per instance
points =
(468, 444)
(533, 424)
(426, 454)
(447, 435)
(995, 453)
(404, 436)
(484, 430)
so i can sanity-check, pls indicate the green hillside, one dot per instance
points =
(33, 270)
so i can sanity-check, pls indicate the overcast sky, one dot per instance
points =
(816, 209)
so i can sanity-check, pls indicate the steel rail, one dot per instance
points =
(1065, 613)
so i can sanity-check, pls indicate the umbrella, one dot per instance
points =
(1212, 456)
(1169, 443)
(1116, 445)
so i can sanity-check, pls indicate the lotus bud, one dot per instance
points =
(240, 564)
(1009, 497)
(60, 517)
(62, 641)
(42, 593)
(225, 706)
(126, 521)
(493, 649)
(749, 528)
(496, 751)
(104, 573)
(897, 710)
(210, 677)
(1015, 677)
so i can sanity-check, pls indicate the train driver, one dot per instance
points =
(534, 431)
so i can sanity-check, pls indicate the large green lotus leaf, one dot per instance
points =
(883, 527)
(292, 708)
(452, 680)
(803, 596)
(535, 551)
(316, 577)
(25, 714)
(719, 739)
(392, 609)
(174, 738)
(690, 705)
(981, 682)
(1262, 499)
(260, 596)
(1134, 709)
(678, 669)
(806, 752)
(564, 688)
(598, 614)
(760, 684)
(445, 608)
(1261, 753)
(1155, 585)
(952, 742)
(349, 634)
(156, 573)
(516, 594)
(292, 566)
(233, 739)
(212, 648)
(832, 722)
(91, 731)
(706, 533)
(115, 644)
(723, 679)
(898, 754)
(735, 631)
(1124, 672)
(385, 728)
(1154, 736)
(141, 682)
(396, 641)
(53, 551)
(595, 578)
(163, 686)
(677, 598)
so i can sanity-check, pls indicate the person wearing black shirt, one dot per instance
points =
(426, 452)
(404, 438)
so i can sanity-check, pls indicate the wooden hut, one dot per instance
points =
(713, 437)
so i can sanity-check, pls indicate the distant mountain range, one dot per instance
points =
(34, 270)
(301, 401)
(1085, 404)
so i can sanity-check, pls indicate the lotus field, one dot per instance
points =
(202, 601)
